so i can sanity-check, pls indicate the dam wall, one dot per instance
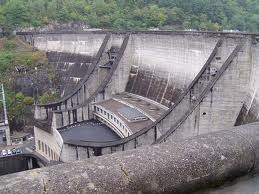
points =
(70, 68)
(150, 58)
(194, 91)
(94, 89)
(206, 80)
(132, 55)
(150, 134)
(130, 75)
(250, 109)
(220, 105)
(84, 44)
(164, 65)
(89, 82)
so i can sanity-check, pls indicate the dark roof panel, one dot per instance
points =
(131, 113)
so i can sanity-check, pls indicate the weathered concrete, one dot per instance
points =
(164, 65)
(246, 184)
(150, 134)
(20, 162)
(53, 142)
(250, 110)
(70, 69)
(178, 167)
(203, 114)
(161, 66)
(87, 44)
(95, 88)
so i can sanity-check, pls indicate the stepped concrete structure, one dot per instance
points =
(148, 87)
(69, 67)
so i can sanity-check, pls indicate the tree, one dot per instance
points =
(28, 100)
(15, 15)
(134, 14)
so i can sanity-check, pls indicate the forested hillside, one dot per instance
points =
(24, 70)
(215, 15)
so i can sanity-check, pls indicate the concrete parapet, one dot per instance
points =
(173, 167)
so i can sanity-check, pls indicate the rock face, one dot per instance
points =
(55, 26)
(33, 82)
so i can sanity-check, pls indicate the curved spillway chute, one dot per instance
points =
(48, 113)
(187, 91)
(202, 96)
(92, 67)
(106, 79)
(44, 121)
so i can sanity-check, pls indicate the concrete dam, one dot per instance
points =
(144, 88)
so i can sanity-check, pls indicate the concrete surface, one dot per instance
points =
(178, 167)
(248, 184)
(1, 139)
(70, 69)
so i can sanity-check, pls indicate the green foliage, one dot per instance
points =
(28, 100)
(6, 59)
(15, 14)
(15, 109)
(18, 105)
(47, 97)
(9, 46)
(9, 57)
(142, 14)
(19, 97)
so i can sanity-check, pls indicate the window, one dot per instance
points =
(49, 151)
(46, 149)
(98, 109)
(111, 117)
(42, 145)
(39, 144)
(104, 112)
(52, 154)
(101, 110)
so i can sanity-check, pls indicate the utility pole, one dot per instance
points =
(6, 123)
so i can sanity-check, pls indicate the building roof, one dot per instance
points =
(91, 130)
(131, 114)
(113, 106)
